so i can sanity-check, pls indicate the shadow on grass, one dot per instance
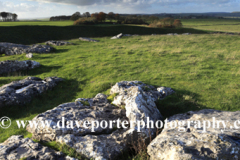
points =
(40, 34)
(32, 72)
(64, 92)
(180, 102)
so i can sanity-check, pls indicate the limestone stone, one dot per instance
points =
(139, 101)
(87, 39)
(15, 49)
(57, 43)
(109, 142)
(15, 66)
(21, 92)
(193, 141)
(17, 147)
(29, 55)
(117, 36)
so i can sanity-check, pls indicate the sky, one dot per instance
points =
(47, 8)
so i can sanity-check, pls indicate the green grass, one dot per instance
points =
(202, 69)
(224, 25)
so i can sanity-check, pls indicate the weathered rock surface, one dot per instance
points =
(99, 144)
(17, 147)
(87, 39)
(14, 66)
(14, 49)
(117, 36)
(21, 92)
(139, 101)
(29, 55)
(103, 143)
(57, 43)
(186, 33)
(92, 109)
(99, 147)
(193, 143)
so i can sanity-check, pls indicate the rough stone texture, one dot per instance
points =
(194, 143)
(186, 33)
(99, 147)
(57, 43)
(29, 55)
(87, 39)
(99, 144)
(14, 49)
(111, 142)
(93, 109)
(17, 147)
(117, 36)
(139, 101)
(21, 92)
(14, 66)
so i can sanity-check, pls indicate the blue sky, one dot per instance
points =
(47, 8)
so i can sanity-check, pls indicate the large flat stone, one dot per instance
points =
(17, 147)
(15, 66)
(196, 142)
(21, 92)
(15, 49)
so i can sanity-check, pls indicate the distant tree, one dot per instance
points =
(117, 17)
(111, 16)
(14, 17)
(75, 16)
(9, 16)
(177, 23)
(168, 21)
(4, 16)
(86, 14)
(94, 15)
(101, 16)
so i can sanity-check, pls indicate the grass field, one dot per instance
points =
(224, 25)
(203, 69)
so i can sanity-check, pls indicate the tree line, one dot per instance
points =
(7, 16)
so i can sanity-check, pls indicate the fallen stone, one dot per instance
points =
(99, 144)
(139, 101)
(87, 39)
(184, 143)
(117, 36)
(17, 147)
(15, 49)
(92, 109)
(57, 43)
(15, 66)
(29, 55)
(186, 33)
(103, 143)
(21, 92)
(99, 147)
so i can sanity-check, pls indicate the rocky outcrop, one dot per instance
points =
(87, 39)
(108, 142)
(57, 43)
(194, 141)
(139, 101)
(17, 147)
(29, 55)
(21, 92)
(14, 49)
(15, 66)
(93, 109)
(93, 141)
(117, 36)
